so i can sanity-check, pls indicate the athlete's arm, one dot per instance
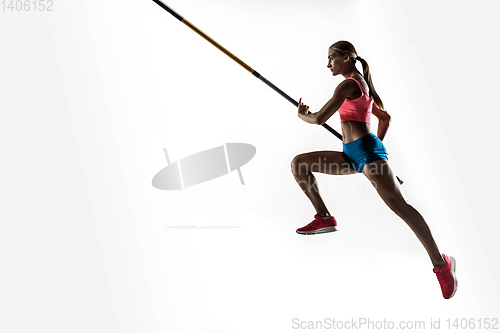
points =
(346, 89)
(384, 119)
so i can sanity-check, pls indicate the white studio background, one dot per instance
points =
(93, 91)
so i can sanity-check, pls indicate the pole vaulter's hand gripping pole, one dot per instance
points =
(239, 61)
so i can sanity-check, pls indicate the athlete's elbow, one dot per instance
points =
(387, 118)
(321, 119)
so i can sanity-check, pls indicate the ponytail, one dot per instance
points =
(368, 79)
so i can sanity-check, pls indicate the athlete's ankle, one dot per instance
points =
(441, 263)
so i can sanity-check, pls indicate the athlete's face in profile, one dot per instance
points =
(335, 62)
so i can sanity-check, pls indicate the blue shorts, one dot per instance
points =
(364, 150)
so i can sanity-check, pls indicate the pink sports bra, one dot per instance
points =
(358, 109)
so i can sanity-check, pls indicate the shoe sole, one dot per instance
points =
(319, 231)
(453, 272)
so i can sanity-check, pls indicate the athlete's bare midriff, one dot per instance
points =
(353, 130)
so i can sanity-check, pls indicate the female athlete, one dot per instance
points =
(355, 99)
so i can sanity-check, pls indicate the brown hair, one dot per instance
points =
(343, 47)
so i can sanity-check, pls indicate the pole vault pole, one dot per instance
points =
(242, 64)
(239, 61)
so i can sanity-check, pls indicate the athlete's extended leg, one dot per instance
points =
(384, 180)
(330, 162)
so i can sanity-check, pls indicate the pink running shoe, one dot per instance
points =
(319, 226)
(446, 277)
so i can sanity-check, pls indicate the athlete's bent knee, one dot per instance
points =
(297, 164)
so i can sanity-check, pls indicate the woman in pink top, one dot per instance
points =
(355, 99)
